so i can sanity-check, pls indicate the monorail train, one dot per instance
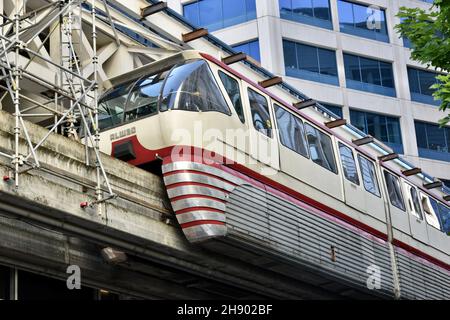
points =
(244, 169)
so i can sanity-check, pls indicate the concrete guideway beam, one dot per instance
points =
(135, 221)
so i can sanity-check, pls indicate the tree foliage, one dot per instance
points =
(429, 33)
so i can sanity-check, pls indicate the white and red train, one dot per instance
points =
(244, 168)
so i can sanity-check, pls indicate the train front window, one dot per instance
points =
(143, 98)
(192, 87)
(112, 105)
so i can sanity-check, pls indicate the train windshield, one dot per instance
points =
(187, 86)
(131, 100)
(192, 87)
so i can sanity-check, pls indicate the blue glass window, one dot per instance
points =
(444, 215)
(218, 14)
(433, 142)
(369, 75)
(337, 110)
(313, 12)
(384, 128)
(362, 21)
(420, 82)
(251, 48)
(310, 63)
(446, 182)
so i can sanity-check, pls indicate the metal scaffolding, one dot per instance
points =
(72, 99)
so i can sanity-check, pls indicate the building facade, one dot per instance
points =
(348, 56)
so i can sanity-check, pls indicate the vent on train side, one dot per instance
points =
(124, 151)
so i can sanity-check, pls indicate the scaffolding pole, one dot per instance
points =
(73, 98)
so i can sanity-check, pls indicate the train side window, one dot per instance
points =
(234, 92)
(348, 164)
(430, 206)
(444, 214)
(369, 176)
(292, 133)
(394, 191)
(320, 148)
(414, 202)
(260, 112)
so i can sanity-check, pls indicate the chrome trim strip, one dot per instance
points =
(188, 165)
(204, 232)
(185, 190)
(200, 215)
(192, 177)
(197, 202)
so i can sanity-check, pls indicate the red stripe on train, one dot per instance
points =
(196, 196)
(196, 184)
(200, 222)
(192, 209)
(198, 172)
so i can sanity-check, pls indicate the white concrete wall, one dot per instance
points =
(270, 30)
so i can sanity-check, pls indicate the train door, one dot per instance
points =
(353, 190)
(263, 138)
(397, 208)
(417, 222)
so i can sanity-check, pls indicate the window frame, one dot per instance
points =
(305, 123)
(210, 70)
(268, 100)
(424, 195)
(388, 172)
(354, 21)
(379, 70)
(341, 144)
(410, 187)
(227, 96)
(303, 73)
(360, 156)
(222, 22)
(277, 105)
(385, 123)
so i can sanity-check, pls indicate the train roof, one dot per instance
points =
(156, 66)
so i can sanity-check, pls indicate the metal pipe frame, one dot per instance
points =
(69, 87)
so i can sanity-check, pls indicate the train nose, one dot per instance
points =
(198, 194)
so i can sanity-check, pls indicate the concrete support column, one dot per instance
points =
(340, 58)
(269, 31)
(408, 130)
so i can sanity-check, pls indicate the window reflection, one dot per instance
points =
(320, 148)
(260, 112)
(394, 190)
(292, 133)
(363, 21)
(218, 14)
(369, 175)
(313, 12)
(348, 163)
